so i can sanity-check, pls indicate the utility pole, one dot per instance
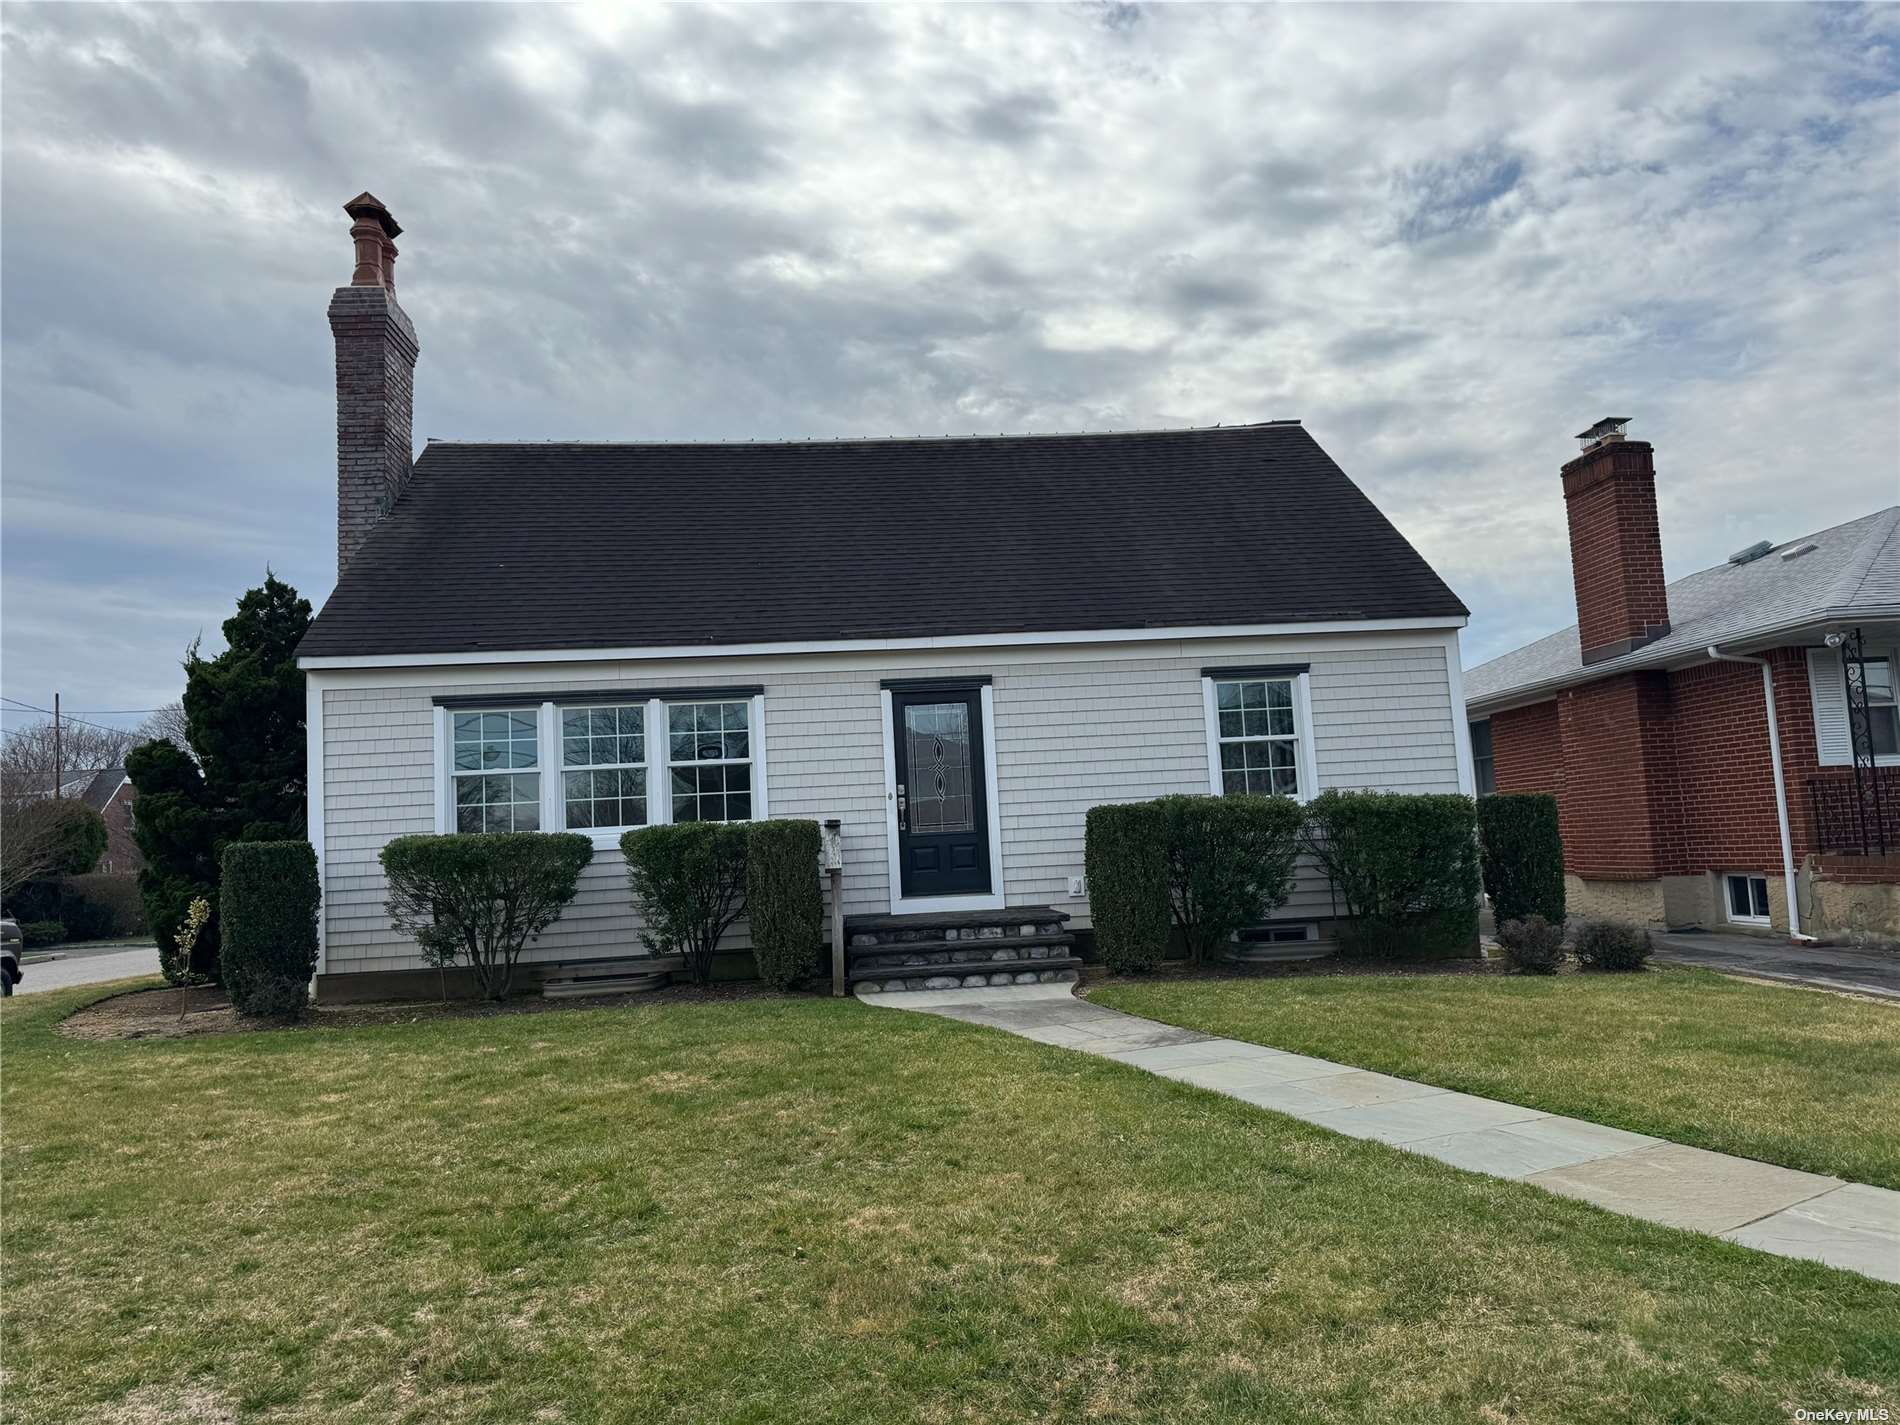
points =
(58, 771)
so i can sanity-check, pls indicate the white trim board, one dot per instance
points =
(867, 645)
(313, 799)
(1308, 769)
(926, 905)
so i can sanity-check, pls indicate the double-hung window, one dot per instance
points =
(604, 766)
(612, 763)
(1883, 709)
(1256, 736)
(709, 757)
(495, 770)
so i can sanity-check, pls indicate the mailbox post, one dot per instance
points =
(831, 858)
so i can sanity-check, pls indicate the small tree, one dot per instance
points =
(1125, 853)
(1523, 856)
(197, 916)
(785, 910)
(180, 831)
(688, 882)
(269, 895)
(1230, 864)
(490, 896)
(46, 838)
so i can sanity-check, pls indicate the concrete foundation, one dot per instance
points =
(1638, 902)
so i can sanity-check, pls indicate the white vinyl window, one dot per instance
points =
(1257, 736)
(709, 760)
(1747, 899)
(604, 767)
(495, 771)
(612, 765)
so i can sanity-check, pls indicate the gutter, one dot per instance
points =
(1781, 791)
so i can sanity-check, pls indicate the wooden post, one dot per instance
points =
(831, 856)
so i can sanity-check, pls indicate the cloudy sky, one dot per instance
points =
(1444, 238)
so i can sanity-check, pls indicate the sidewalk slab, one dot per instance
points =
(1856, 1227)
(1686, 1187)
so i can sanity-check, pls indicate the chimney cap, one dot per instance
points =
(1609, 428)
(368, 205)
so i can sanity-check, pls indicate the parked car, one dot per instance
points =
(11, 944)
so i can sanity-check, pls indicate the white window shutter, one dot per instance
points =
(1828, 688)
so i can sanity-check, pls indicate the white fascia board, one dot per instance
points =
(875, 645)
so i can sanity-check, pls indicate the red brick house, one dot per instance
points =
(111, 793)
(1720, 746)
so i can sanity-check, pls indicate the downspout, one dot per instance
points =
(1781, 791)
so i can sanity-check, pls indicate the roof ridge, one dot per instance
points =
(1853, 576)
(877, 439)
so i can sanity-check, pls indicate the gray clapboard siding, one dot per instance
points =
(1074, 727)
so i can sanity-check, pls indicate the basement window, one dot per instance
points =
(1747, 899)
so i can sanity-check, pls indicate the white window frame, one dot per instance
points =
(646, 747)
(548, 739)
(751, 760)
(446, 814)
(1728, 907)
(1306, 773)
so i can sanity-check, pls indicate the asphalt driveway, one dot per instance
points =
(89, 966)
(1833, 967)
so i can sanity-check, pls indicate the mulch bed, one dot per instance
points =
(153, 1014)
(1332, 967)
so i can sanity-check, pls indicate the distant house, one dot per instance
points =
(1725, 750)
(110, 792)
(955, 647)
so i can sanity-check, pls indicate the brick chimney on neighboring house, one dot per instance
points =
(1615, 542)
(375, 379)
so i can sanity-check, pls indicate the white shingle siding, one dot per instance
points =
(1075, 726)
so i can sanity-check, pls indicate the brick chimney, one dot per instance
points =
(375, 380)
(1615, 542)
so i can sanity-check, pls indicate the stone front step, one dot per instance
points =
(1044, 972)
(958, 952)
(1018, 945)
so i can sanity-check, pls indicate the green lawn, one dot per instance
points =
(805, 1210)
(1788, 1076)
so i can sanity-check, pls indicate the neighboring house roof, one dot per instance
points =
(103, 787)
(552, 546)
(1851, 572)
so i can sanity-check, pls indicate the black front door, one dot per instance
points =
(943, 826)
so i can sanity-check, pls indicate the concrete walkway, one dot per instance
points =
(1778, 1210)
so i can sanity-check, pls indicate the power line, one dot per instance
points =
(65, 716)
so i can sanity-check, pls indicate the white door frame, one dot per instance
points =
(924, 905)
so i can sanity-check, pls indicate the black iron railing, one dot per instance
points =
(1848, 821)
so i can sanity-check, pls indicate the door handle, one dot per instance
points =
(903, 821)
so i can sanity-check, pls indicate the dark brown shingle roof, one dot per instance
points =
(552, 546)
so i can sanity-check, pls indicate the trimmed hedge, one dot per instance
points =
(784, 905)
(1612, 945)
(1523, 855)
(1534, 946)
(1125, 856)
(36, 933)
(689, 884)
(268, 894)
(111, 901)
(1405, 867)
(486, 897)
(1230, 864)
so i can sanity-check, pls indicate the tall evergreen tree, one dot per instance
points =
(244, 718)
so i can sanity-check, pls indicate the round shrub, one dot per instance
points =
(1125, 856)
(1230, 864)
(1405, 867)
(1523, 855)
(785, 909)
(1533, 946)
(1612, 945)
(485, 897)
(268, 896)
(689, 885)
